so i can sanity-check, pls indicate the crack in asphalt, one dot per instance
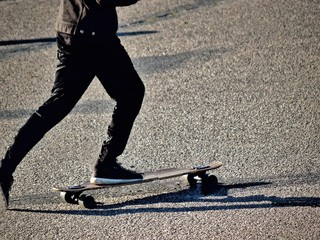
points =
(175, 12)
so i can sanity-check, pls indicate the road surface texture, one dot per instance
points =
(236, 81)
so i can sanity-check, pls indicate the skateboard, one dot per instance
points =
(74, 194)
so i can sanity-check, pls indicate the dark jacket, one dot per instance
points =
(89, 16)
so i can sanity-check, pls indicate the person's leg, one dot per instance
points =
(71, 80)
(122, 83)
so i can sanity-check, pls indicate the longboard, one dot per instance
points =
(73, 194)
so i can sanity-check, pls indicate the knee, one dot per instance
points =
(134, 94)
(131, 100)
(56, 107)
(140, 92)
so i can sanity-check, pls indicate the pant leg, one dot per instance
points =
(71, 80)
(121, 81)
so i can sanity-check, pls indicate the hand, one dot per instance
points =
(117, 3)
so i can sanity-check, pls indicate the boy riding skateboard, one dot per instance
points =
(88, 47)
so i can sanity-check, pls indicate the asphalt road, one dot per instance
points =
(233, 80)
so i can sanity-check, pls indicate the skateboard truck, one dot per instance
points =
(79, 198)
(209, 183)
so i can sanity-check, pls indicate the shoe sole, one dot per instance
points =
(109, 181)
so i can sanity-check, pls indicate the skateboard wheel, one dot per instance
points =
(87, 202)
(68, 197)
(212, 180)
(191, 180)
(209, 184)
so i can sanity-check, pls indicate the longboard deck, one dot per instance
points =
(147, 177)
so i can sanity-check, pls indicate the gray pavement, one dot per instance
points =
(234, 81)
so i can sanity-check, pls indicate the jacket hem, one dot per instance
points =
(64, 27)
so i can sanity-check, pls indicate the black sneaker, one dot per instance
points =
(114, 173)
(5, 187)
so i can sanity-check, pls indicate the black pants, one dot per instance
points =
(77, 67)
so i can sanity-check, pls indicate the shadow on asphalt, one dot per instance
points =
(53, 39)
(222, 200)
(85, 107)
